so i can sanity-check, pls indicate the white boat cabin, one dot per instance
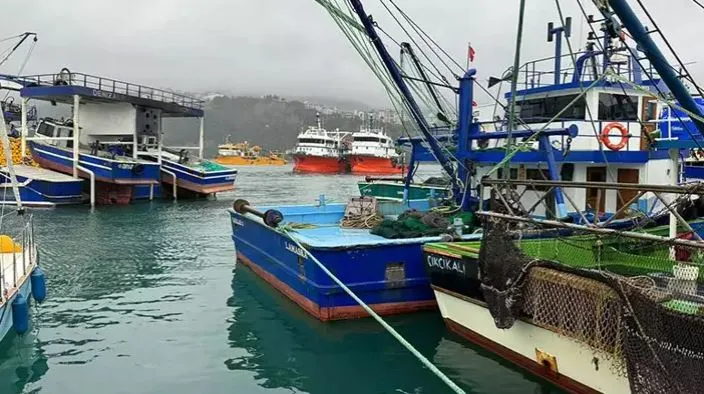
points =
(613, 147)
(373, 142)
(316, 141)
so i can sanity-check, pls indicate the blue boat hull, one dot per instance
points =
(106, 170)
(197, 180)
(43, 193)
(6, 315)
(388, 275)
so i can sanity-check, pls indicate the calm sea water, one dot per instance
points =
(147, 299)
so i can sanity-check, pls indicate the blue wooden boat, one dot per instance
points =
(184, 175)
(114, 137)
(387, 274)
(40, 187)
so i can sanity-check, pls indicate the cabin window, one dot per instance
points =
(544, 109)
(538, 175)
(45, 129)
(513, 172)
(651, 111)
(366, 139)
(567, 172)
(310, 141)
(618, 107)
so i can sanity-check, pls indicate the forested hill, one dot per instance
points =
(270, 121)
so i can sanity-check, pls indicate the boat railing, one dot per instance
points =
(541, 72)
(19, 270)
(114, 86)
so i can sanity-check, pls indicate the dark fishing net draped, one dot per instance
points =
(638, 303)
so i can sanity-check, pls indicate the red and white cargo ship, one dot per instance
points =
(373, 153)
(320, 151)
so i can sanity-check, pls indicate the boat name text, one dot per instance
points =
(445, 264)
(295, 249)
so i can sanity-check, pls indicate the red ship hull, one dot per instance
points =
(372, 165)
(318, 164)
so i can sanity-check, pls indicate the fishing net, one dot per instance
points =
(17, 157)
(637, 302)
(413, 224)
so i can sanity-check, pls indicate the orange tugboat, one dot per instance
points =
(320, 151)
(241, 154)
(373, 153)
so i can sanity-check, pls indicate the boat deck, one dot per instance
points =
(41, 174)
(333, 236)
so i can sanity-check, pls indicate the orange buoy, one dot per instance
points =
(604, 137)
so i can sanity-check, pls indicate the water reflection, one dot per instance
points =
(286, 348)
(22, 363)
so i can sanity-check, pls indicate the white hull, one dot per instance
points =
(575, 361)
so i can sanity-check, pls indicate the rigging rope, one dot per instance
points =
(366, 54)
(420, 49)
(378, 318)
(573, 57)
(419, 30)
(687, 75)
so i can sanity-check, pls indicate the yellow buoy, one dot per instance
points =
(7, 245)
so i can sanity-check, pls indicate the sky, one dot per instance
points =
(286, 47)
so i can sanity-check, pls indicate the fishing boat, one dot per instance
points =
(388, 188)
(604, 309)
(101, 141)
(279, 242)
(572, 325)
(373, 152)
(409, 186)
(241, 154)
(21, 279)
(320, 151)
(182, 174)
(386, 273)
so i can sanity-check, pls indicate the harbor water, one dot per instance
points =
(147, 298)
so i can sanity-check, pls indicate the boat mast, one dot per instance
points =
(416, 63)
(403, 88)
(24, 36)
(514, 84)
(9, 164)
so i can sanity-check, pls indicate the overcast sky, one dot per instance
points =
(286, 47)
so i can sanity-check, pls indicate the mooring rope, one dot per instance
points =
(378, 318)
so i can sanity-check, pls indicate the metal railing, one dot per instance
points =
(108, 85)
(25, 239)
(541, 72)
